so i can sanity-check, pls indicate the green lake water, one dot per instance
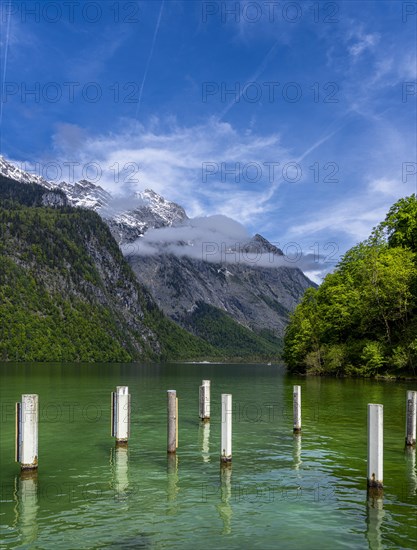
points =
(282, 491)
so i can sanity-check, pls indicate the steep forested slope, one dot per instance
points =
(66, 292)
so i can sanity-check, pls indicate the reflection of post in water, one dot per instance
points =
(411, 482)
(374, 516)
(204, 440)
(26, 509)
(119, 459)
(172, 477)
(296, 452)
(224, 508)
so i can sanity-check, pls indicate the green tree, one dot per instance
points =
(400, 223)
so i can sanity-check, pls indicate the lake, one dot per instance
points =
(282, 491)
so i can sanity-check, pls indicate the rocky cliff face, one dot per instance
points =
(258, 298)
(152, 212)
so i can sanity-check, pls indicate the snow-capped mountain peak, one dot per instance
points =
(13, 172)
(128, 218)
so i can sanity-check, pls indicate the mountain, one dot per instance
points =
(66, 291)
(151, 212)
(204, 297)
(258, 298)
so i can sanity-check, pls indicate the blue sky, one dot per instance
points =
(297, 119)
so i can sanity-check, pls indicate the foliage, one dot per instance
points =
(363, 318)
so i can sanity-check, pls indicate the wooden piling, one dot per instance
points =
(27, 431)
(171, 421)
(297, 408)
(204, 401)
(226, 439)
(120, 409)
(411, 419)
(375, 446)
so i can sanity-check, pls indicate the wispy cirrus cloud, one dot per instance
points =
(363, 42)
(208, 168)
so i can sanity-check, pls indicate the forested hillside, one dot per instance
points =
(362, 320)
(66, 292)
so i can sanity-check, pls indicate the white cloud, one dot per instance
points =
(188, 165)
(216, 232)
(364, 42)
(388, 187)
(219, 239)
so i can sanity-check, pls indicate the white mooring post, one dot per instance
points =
(204, 401)
(176, 422)
(411, 419)
(120, 415)
(27, 417)
(297, 408)
(226, 447)
(375, 446)
(171, 421)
